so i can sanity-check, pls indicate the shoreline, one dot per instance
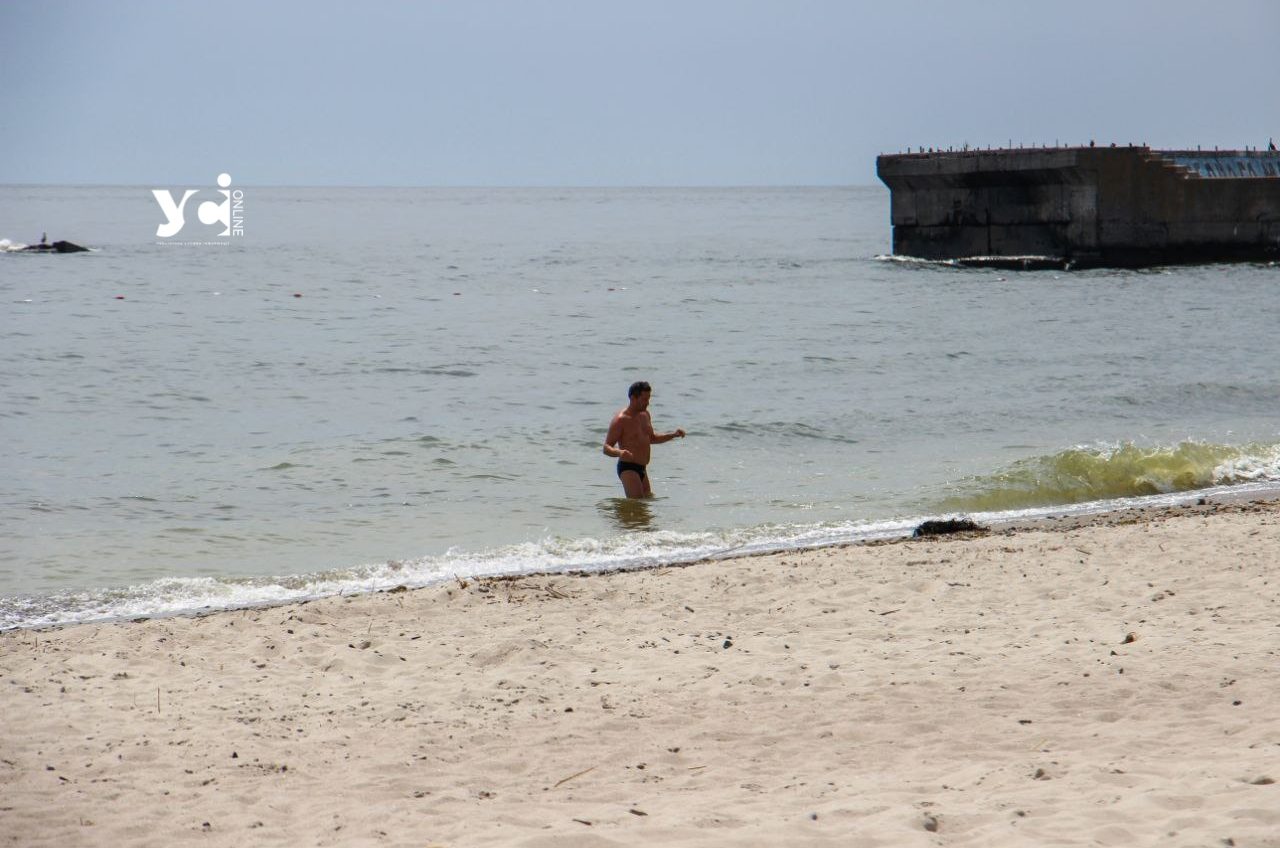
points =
(1072, 515)
(1107, 679)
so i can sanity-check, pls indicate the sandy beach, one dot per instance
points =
(1111, 683)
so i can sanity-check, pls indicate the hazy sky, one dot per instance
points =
(609, 93)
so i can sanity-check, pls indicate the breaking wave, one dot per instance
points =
(1126, 470)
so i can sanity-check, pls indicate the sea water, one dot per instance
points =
(382, 387)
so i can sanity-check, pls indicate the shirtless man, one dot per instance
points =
(629, 439)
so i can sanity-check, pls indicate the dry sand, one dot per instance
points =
(1109, 684)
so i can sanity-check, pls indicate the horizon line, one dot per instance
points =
(555, 187)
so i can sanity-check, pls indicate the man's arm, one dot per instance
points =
(646, 421)
(612, 438)
(659, 438)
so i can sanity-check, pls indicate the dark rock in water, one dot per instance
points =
(56, 247)
(934, 527)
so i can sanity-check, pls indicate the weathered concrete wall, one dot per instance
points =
(1084, 205)
(1251, 163)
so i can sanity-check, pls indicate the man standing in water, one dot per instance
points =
(630, 437)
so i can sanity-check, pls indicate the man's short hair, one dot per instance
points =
(638, 388)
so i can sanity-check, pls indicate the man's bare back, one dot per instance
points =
(630, 438)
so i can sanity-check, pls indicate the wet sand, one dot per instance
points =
(1106, 682)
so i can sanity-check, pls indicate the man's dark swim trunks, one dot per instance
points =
(623, 465)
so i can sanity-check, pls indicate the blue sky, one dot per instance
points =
(802, 92)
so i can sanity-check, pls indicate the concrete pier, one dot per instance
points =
(1085, 206)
